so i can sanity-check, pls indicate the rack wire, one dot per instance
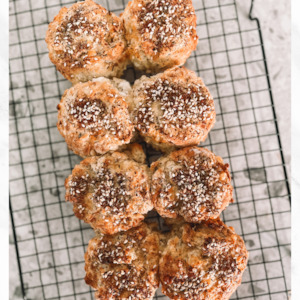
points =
(50, 241)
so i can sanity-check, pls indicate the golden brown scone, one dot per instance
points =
(135, 151)
(87, 41)
(160, 33)
(93, 117)
(110, 192)
(202, 261)
(173, 109)
(190, 183)
(124, 265)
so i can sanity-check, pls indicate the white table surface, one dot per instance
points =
(275, 24)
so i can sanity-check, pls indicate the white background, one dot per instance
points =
(4, 150)
(295, 150)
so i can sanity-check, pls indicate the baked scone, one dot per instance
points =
(173, 109)
(93, 117)
(160, 33)
(190, 183)
(124, 265)
(110, 192)
(202, 261)
(87, 41)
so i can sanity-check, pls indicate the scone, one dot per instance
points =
(190, 183)
(173, 109)
(160, 33)
(110, 192)
(93, 117)
(87, 41)
(124, 265)
(202, 261)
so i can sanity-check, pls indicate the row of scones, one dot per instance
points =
(87, 41)
(168, 110)
(102, 118)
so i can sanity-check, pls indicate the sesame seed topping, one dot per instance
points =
(173, 108)
(92, 115)
(77, 37)
(219, 270)
(163, 22)
(103, 190)
(115, 261)
(111, 193)
(200, 191)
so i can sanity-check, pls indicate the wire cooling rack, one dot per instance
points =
(50, 241)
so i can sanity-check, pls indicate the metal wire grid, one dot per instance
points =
(50, 241)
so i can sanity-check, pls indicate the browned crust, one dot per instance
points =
(100, 51)
(190, 112)
(202, 261)
(181, 188)
(154, 53)
(131, 257)
(110, 192)
(85, 141)
(135, 151)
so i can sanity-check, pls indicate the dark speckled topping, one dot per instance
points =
(181, 107)
(164, 21)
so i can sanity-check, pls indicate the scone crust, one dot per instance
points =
(160, 33)
(87, 41)
(124, 265)
(173, 109)
(191, 183)
(110, 192)
(202, 261)
(93, 117)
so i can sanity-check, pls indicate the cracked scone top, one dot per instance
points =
(160, 33)
(202, 261)
(87, 41)
(111, 192)
(124, 265)
(93, 117)
(190, 183)
(173, 109)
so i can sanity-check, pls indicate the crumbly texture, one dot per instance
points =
(110, 192)
(160, 33)
(173, 109)
(202, 261)
(190, 183)
(93, 117)
(124, 265)
(135, 151)
(87, 41)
